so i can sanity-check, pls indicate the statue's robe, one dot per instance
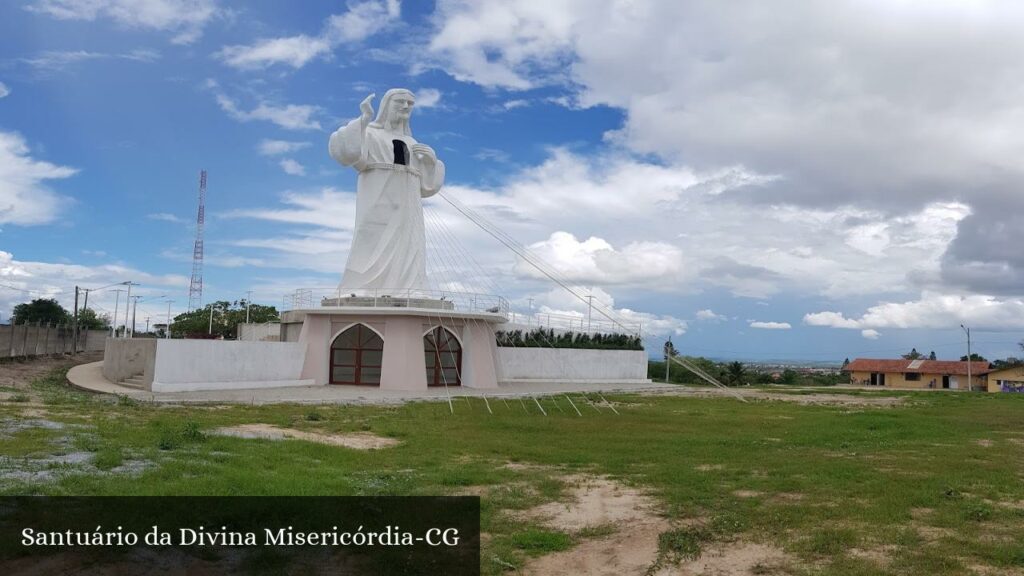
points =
(388, 245)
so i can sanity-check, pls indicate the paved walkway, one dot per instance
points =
(90, 377)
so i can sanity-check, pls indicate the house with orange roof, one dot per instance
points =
(1007, 379)
(918, 374)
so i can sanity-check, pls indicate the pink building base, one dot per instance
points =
(402, 329)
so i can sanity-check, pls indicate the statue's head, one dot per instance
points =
(395, 108)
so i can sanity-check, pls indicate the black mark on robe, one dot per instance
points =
(401, 152)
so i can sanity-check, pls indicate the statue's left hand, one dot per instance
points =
(424, 152)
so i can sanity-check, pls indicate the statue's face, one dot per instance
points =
(401, 106)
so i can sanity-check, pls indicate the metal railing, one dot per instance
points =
(569, 323)
(382, 298)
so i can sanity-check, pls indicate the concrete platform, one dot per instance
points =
(90, 377)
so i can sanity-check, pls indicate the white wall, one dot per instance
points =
(127, 357)
(571, 364)
(186, 365)
(267, 332)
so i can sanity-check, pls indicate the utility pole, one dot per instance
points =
(590, 307)
(117, 302)
(147, 324)
(135, 306)
(74, 349)
(970, 383)
(168, 334)
(668, 358)
(129, 284)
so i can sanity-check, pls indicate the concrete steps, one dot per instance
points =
(134, 381)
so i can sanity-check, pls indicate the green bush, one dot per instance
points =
(548, 338)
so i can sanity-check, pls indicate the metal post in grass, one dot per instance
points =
(506, 404)
(524, 405)
(609, 404)
(488, 404)
(555, 402)
(537, 402)
(578, 413)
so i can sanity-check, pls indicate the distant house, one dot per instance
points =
(1009, 379)
(903, 373)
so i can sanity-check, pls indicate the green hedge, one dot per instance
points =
(548, 338)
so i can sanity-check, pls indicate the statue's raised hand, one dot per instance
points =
(366, 109)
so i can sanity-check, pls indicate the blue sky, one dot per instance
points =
(763, 184)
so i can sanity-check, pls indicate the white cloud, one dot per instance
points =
(428, 97)
(292, 167)
(276, 147)
(290, 116)
(513, 104)
(837, 122)
(362, 20)
(932, 310)
(710, 316)
(870, 334)
(4, 90)
(557, 305)
(55, 61)
(183, 18)
(24, 198)
(595, 260)
(165, 217)
(31, 280)
(771, 325)
(500, 43)
(295, 51)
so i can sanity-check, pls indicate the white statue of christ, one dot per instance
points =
(395, 173)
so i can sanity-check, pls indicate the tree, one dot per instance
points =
(226, 317)
(912, 355)
(736, 373)
(788, 376)
(88, 319)
(932, 356)
(975, 357)
(44, 310)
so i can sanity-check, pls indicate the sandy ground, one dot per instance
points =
(632, 549)
(19, 374)
(355, 440)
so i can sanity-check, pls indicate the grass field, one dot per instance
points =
(931, 483)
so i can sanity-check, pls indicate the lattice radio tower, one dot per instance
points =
(195, 288)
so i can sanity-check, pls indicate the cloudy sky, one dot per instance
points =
(802, 180)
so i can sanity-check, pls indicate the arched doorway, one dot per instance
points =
(443, 355)
(356, 356)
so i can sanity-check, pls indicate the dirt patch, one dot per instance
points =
(20, 373)
(984, 443)
(822, 399)
(595, 501)
(747, 493)
(633, 548)
(732, 559)
(880, 555)
(813, 398)
(708, 467)
(355, 440)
